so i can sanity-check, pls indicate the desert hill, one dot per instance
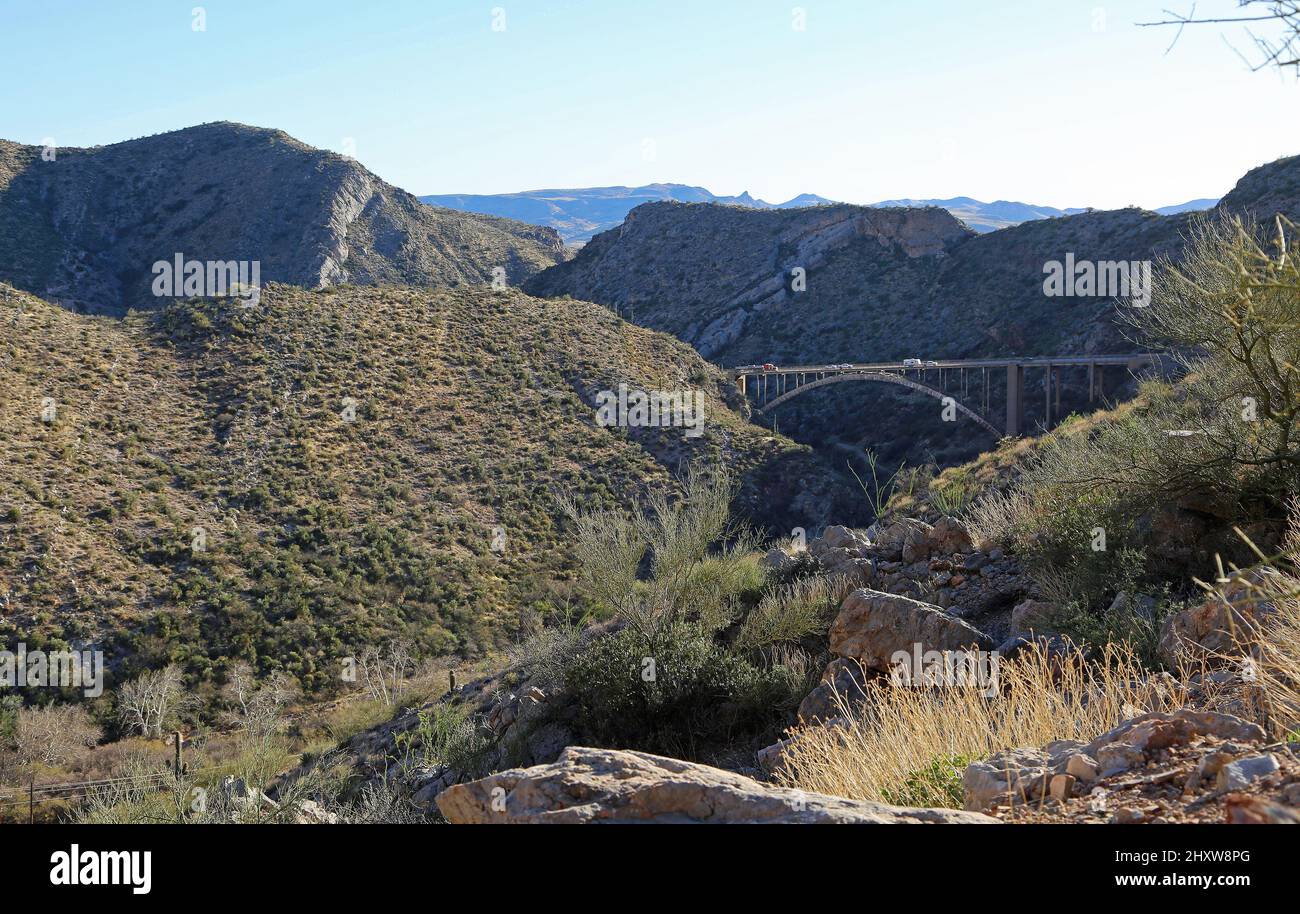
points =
(357, 464)
(85, 226)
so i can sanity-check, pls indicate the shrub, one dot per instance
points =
(669, 694)
(793, 612)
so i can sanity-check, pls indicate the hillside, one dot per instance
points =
(86, 228)
(469, 411)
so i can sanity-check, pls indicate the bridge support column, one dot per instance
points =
(1015, 399)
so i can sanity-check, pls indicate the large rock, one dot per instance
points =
(872, 626)
(949, 536)
(1032, 616)
(608, 785)
(907, 539)
(842, 689)
(1223, 624)
(843, 538)
(1016, 776)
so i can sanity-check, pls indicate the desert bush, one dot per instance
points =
(687, 578)
(444, 734)
(792, 612)
(1230, 310)
(668, 695)
(898, 744)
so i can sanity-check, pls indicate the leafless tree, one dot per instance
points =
(53, 735)
(1281, 16)
(385, 672)
(145, 705)
(256, 707)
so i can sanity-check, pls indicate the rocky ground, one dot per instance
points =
(920, 584)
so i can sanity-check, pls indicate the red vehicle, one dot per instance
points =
(768, 366)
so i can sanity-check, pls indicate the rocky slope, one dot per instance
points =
(330, 469)
(881, 284)
(85, 226)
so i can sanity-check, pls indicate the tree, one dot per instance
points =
(146, 705)
(51, 736)
(1281, 50)
(256, 707)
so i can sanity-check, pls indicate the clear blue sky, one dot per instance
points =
(1017, 99)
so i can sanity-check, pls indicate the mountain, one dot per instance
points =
(985, 217)
(346, 459)
(579, 213)
(881, 283)
(1191, 206)
(86, 226)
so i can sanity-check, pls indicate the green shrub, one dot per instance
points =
(671, 695)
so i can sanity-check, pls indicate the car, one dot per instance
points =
(931, 364)
(913, 363)
(768, 366)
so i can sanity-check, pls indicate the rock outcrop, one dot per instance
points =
(1222, 627)
(872, 626)
(606, 786)
(1179, 766)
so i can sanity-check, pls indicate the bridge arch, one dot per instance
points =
(888, 378)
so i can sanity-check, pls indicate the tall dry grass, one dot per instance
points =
(903, 733)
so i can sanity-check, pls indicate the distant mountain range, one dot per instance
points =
(579, 213)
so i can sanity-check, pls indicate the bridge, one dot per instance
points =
(772, 386)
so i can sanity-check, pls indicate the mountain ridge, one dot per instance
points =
(581, 213)
(86, 226)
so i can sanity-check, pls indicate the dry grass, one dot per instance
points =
(904, 732)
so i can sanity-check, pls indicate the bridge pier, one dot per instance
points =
(1015, 398)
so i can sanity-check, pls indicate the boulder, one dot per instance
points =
(1244, 809)
(1015, 776)
(1221, 626)
(1242, 772)
(843, 538)
(777, 559)
(840, 690)
(1158, 731)
(607, 785)
(907, 539)
(949, 536)
(1030, 616)
(872, 626)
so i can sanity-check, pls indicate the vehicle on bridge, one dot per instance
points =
(768, 366)
(913, 363)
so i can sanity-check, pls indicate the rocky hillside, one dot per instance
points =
(289, 482)
(888, 283)
(879, 284)
(84, 226)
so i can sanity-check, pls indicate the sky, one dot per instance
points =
(1052, 102)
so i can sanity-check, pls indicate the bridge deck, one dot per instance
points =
(1027, 362)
